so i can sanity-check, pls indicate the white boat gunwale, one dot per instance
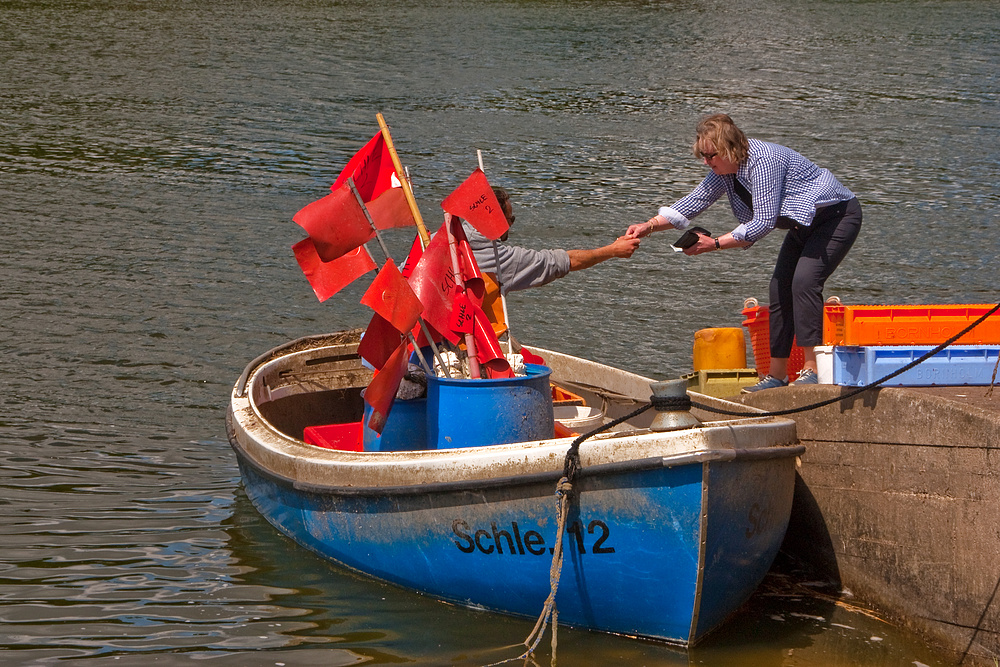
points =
(527, 479)
(287, 457)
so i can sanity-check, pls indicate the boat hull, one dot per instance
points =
(654, 549)
(667, 534)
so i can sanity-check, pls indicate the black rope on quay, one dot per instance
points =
(852, 394)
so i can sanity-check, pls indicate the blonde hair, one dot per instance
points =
(728, 140)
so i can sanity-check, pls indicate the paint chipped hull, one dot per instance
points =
(668, 534)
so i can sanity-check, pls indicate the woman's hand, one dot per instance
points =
(643, 229)
(705, 243)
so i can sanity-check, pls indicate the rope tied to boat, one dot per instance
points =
(571, 464)
(564, 489)
(564, 494)
(670, 402)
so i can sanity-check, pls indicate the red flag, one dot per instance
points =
(530, 357)
(372, 170)
(328, 278)
(488, 347)
(378, 184)
(433, 281)
(422, 340)
(390, 209)
(392, 297)
(416, 251)
(336, 224)
(475, 286)
(462, 314)
(474, 200)
(381, 391)
(379, 342)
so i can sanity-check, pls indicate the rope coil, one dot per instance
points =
(670, 403)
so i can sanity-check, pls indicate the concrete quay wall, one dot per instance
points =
(897, 500)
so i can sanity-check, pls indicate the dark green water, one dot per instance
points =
(152, 155)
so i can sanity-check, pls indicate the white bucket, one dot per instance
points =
(579, 418)
(824, 363)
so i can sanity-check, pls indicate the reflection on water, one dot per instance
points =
(152, 155)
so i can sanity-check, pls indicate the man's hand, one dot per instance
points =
(624, 246)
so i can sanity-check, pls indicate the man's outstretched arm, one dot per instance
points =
(583, 259)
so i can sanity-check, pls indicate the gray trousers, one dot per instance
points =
(807, 258)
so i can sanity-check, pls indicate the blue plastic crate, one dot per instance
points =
(956, 365)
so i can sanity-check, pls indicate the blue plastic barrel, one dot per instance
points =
(405, 429)
(472, 413)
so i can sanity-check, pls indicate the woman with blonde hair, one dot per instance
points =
(772, 187)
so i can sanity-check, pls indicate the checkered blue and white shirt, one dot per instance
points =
(781, 183)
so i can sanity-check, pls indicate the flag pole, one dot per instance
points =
(496, 258)
(404, 181)
(420, 320)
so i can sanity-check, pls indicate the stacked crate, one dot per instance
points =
(865, 343)
(870, 342)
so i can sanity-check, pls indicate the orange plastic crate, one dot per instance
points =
(908, 325)
(756, 319)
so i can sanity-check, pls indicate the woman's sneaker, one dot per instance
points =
(769, 382)
(806, 376)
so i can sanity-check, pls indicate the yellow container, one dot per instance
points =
(721, 348)
(721, 383)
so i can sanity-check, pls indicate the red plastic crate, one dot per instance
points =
(908, 325)
(756, 319)
(345, 437)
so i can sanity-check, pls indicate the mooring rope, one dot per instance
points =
(564, 491)
(571, 465)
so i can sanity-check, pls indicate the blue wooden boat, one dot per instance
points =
(668, 533)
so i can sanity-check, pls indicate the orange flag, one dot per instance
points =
(336, 224)
(378, 184)
(392, 297)
(474, 200)
(328, 278)
(381, 391)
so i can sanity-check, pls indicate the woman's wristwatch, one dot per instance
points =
(718, 246)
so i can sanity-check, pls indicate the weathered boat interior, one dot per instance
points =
(322, 383)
